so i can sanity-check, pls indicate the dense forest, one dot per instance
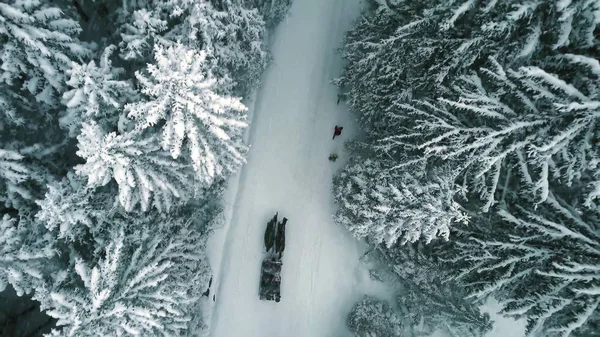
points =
(479, 173)
(119, 123)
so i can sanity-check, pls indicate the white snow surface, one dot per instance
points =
(288, 171)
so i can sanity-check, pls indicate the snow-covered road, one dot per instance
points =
(288, 171)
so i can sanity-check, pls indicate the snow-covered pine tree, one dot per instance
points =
(388, 205)
(231, 32)
(183, 99)
(96, 93)
(540, 261)
(41, 58)
(233, 35)
(404, 49)
(13, 173)
(37, 47)
(240, 44)
(72, 210)
(148, 282)
(428, 298)
(501, 118)
(440, 306)
(25, 169)
(140, 32)
(145, 174)
(273, 11)
(26, 254)
(374, 318)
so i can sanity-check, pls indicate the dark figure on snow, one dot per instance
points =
(337, 131)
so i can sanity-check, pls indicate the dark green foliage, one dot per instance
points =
(20, 316)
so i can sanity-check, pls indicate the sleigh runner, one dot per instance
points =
(270, 274)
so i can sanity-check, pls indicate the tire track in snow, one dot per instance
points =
(325, 74)
(249, 224)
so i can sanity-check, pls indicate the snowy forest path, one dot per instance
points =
(288, 172)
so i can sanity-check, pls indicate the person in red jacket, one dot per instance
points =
(337, 130)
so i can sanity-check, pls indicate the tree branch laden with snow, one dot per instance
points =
(147, 283)
(389, 206)
(183, 100)
(502, 117)
(97, 92)
(26, 252)
(540, 261)
(37, 47)
(145, 174)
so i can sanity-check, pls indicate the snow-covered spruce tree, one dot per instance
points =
(37, 47)
(96, 93)
(501, 118)
(147, 283)
(231, 32)
(26, 254)
(440, 306)
(183, 100)
(404, 49)
(13, 172)
(72, 210)
(141, 30)
(428, 299)
(233, 36)
(24, 171)
(146, 175)
(388, 205)
(374, 318)
(540, 261)
(273, 11)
